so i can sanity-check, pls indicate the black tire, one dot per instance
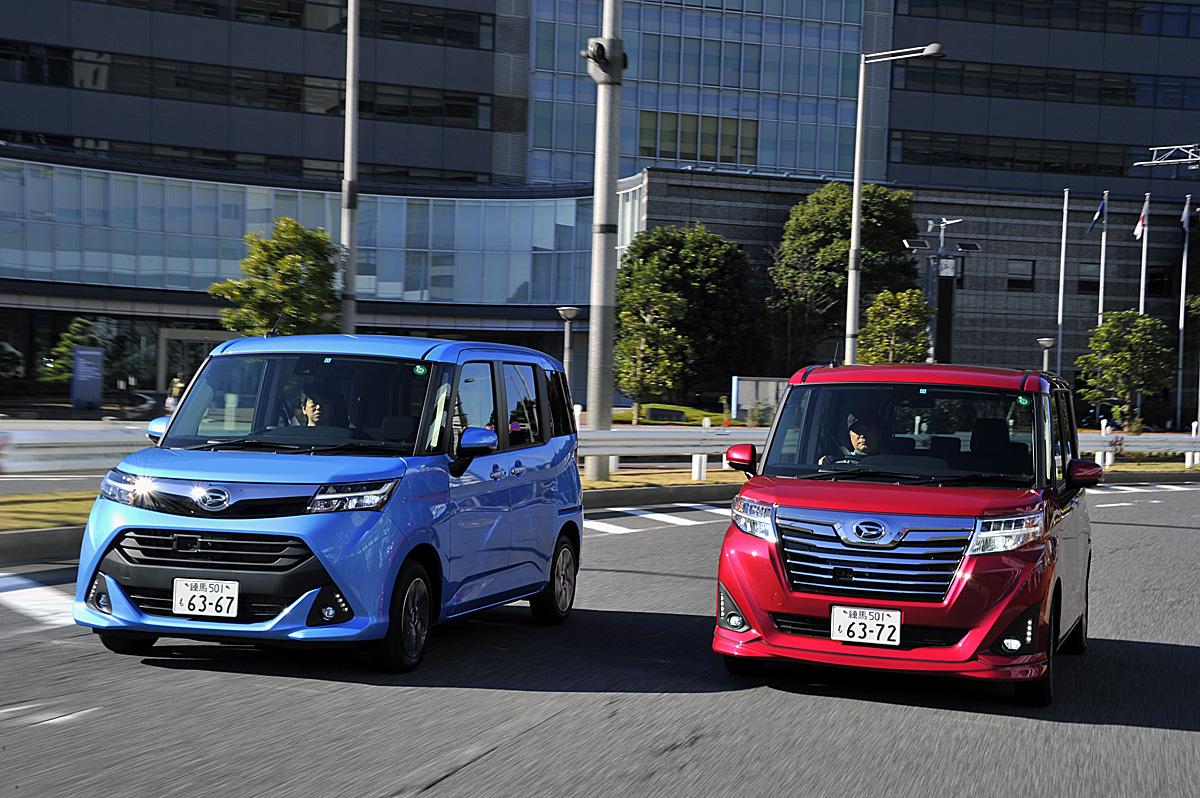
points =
(132, 645)
(409, 622)
(1040, 692)
(742, 666)
(553, 605)
(1076, 642)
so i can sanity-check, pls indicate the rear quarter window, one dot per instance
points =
(562, 420)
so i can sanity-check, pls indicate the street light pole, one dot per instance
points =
(567, 314)
(1047, 344)
(853, 266)
(606, 59)
(350, 172)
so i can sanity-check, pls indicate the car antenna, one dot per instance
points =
(275, 326)
(837, 348)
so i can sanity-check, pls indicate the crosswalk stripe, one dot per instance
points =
(601, 526)
(705, 508)
(64, 718)
(662, 518)
(46, 605)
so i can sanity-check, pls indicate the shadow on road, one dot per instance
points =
(1117, 682)
(503, 649)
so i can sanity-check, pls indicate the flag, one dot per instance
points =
(1185, 221)
(1140, 227)
(1099, 215)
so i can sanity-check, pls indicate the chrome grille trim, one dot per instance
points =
(918, 562)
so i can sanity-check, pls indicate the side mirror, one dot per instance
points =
(157, 428)
(476, 441)
(743, 457)
(1083, 474)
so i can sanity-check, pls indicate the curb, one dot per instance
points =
(24, 545)
(621, 497)
(1167, 477)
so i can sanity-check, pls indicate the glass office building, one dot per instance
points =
(761, 85)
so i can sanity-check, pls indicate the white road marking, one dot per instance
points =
(705, 508)
(1117, 504)
(662, 518)
(46, 605)
(64, 718)
(17, 708)
(1128, 489)
(609, 529)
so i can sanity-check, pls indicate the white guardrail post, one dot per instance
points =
(1192, 458)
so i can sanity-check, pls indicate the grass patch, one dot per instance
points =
(692, 416)
(44, 510)
(657, 477)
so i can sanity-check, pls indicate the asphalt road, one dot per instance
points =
(624, 699)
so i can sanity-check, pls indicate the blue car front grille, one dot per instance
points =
(212, 550)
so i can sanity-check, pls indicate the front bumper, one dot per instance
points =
(353, 551)
(987, 594)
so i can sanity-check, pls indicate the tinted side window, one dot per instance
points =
(475, 404)
(560, 405)
(524, 423)
(433, 433)
(1060, 447)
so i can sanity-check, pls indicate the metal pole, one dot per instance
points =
(853, 267)
(606, 62)
(1062, 280)
(350, 172)
(1187, 239)
(1145, 243)
(1046, 360)
(1103, 253)
(567, 351)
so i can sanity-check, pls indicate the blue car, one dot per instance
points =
(340, 488)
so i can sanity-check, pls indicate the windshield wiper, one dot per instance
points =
(979, 476)
(250, 441)
(860, 471)
(353, 445)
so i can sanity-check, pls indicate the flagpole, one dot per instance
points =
(1187, 239)
(1145, 242)
(1062, 279)
(1103, 253)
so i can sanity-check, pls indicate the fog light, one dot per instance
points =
(329, 607)
(729, 615)
(98, 594)
(1021, 635)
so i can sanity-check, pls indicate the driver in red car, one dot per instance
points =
(864, 431)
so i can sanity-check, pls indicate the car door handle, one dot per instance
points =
(517, 470)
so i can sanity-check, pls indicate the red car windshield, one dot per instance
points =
(932, 433)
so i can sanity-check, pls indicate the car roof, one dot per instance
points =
(400, 346)
(932, 374)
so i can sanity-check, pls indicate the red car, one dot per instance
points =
(922, 518)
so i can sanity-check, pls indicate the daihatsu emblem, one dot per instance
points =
(213, 499)
(869, 531)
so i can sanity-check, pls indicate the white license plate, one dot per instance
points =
(865, 625)
(205, 597)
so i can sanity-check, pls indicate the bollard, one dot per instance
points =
(699, 467)
(578, 411)
(614, 463)
(1108, 459)
(1100, 458)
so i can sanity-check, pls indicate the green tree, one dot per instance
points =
(1130, 353)
(648, 352)
(56, 367)
(895, 328)
(710, 276)
(291, 274)
(808, 272)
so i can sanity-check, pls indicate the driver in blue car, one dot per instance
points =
(320, 405)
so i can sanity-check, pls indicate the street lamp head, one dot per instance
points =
(567, 313)
(933, 50)
(1046, 343)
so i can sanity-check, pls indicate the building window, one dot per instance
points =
(1020, 275)
(1089, 278)
(1021, 155)
(1112, 16)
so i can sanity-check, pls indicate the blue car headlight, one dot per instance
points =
(118, 486)
(352, 496)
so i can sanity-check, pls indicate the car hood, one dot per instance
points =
(874, 497)
(261, 467)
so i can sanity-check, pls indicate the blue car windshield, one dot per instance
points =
(910, 433)
(315, 403)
